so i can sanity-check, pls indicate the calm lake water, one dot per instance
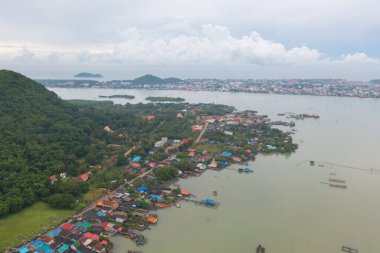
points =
(282, 205)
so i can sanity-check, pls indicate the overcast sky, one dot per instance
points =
(194, 38)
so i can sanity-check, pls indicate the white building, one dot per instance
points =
(161, 143)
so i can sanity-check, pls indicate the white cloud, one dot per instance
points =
(209, 45)
(24, 54)
(359, 58)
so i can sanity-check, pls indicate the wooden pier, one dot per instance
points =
(202, 202)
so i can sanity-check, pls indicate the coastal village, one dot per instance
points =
(312, 87)
(131, 206)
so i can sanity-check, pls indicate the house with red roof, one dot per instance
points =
(99, 247)
(196, 128)
(67, 226)
(48, 240)
(84, 177)
(135, 165)
(91, 236)
(53, 179)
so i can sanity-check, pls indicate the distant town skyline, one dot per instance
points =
(192, 39)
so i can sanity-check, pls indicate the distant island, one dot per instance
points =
(88, 75)
(118, 96)
(150, 79)
(165, 99)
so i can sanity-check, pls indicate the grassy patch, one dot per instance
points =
(29, 223)
(92, 195)
(88, 198)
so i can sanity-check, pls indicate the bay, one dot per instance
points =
(283, 204)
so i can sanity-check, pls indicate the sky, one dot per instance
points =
(124, 39)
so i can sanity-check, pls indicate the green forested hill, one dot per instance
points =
(150, 79)
(40, 135)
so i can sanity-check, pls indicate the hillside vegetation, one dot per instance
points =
(42, 135)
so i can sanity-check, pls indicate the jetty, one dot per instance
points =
(371, 170)
(206, 202)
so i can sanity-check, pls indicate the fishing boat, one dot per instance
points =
(349, 249)
(342, 186)
(313, 116)
(337, 180)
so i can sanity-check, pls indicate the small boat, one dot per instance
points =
(260, 249)
(335, 180)
(247, 170)
(338, 186)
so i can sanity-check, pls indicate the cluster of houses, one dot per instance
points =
(117, 213)
(90, 231)
(237, 118)
(76, 236)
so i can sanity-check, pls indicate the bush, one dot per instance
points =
(62, 201)
(166, 173)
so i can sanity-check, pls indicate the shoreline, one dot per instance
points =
(110, 204)
(206, 90)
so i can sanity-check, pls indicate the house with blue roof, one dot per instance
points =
(136, 159)
(143, 188)
(226, 154)
(54, 233)
(23, 249)
(156, 197)
(37, 243)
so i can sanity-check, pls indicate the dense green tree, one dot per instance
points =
(166, 173)
(184, 165)
(72, 187)
(62, 201)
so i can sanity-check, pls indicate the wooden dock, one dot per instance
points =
(201, 203)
